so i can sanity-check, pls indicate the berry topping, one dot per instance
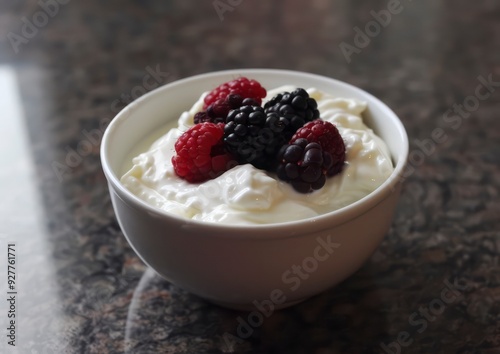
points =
(254, 137)
(304, 165)
(327, 135)
(201, 154)
(217, 112)
(285, 136)
(296, 107)
(242, 86)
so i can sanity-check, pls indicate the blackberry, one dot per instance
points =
(218, 110)
(304, 165)
(296, 107)
(203, 117)
(254, 136)
(328, 136)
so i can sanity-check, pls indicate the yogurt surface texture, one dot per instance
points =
(246, 195)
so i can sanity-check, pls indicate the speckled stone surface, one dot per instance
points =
(81, 287)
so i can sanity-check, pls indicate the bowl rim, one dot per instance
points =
(319, 222)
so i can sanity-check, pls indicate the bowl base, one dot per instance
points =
(251, 307)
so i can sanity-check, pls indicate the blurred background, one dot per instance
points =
(67, 67)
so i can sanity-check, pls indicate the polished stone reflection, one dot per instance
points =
(162, 317)
(38, 317)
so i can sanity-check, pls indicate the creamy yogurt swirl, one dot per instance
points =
(246, 195)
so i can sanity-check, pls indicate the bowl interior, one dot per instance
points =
(164, 105)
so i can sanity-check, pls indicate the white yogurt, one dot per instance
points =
(247, 195)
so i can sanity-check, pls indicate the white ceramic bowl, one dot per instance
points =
(246, 266)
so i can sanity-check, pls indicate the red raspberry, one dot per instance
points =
(217, 112)
(327, 135)
(242, 86)
(201, 154)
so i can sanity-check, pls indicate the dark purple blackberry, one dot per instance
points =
(254, 137)
(203, 117)
(304, 165)
(217, 112)
(296, 107)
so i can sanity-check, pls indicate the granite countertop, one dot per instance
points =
(66, 67)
